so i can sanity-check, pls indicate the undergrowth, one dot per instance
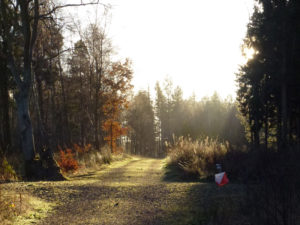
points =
(78, 157)
(195, 159)
(8, 209)
(7, 172)
(66, 161)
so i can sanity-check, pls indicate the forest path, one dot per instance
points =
(126, 192)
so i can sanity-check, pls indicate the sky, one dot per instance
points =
(195, 43)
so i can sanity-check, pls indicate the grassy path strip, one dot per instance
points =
(127, 192)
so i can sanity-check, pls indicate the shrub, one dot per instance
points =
(106, 155)
(196, 158)
(6, 170)
(66, 161)
(82, 150)
(84, 155)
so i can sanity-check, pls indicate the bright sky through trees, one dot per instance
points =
(196, 43)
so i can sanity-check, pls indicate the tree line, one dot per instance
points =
(56, 96)
(153, 124)
(269, 100)
(268, 93)
(52, 96)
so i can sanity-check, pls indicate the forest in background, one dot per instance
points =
(153, 124)
(53, 98)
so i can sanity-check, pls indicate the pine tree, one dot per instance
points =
(267, 83)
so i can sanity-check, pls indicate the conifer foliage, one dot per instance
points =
(268, 93)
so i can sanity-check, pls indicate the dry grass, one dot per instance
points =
(195, 159)
(7, 172)
(9, 206)
(8, 203)
(128, 191)
(19, 207)
(86, 158)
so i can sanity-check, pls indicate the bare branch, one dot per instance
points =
(72, 5)
(8, 37)
(35, 26)
(58, 54)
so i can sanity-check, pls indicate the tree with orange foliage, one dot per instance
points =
(115, 100)
(114, 130)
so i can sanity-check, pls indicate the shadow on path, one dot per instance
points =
(131, 192)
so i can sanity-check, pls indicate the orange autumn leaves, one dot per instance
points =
(66, 161)
(116, 86)
(67, 158)
(114, 130)
(116, 94)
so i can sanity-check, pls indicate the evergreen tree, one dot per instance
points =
(141, 122)
(161, 115)
(268, 83)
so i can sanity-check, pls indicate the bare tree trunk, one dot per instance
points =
(65, 111)
(97, 92)
(256, 138)
(5, 126)
(25, 126)
(298, 130)
(284, 114)
(266, 133)
(284, 117)
(23, 78)
(40, 99)
(54, 134)
(111, 137)
(82, 122)
(96, 115)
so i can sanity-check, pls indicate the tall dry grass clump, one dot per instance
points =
(7, 172)
(196, 158)
(7, 203)
(84, 157)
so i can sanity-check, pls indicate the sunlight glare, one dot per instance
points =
(199, 50)
(248, 53)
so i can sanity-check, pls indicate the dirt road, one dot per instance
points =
(127, 192)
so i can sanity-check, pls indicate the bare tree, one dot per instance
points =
(20, 26)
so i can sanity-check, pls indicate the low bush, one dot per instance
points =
(6, 170)
(196, 158)
(106, 155)
(84, 157)
(66, 161)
